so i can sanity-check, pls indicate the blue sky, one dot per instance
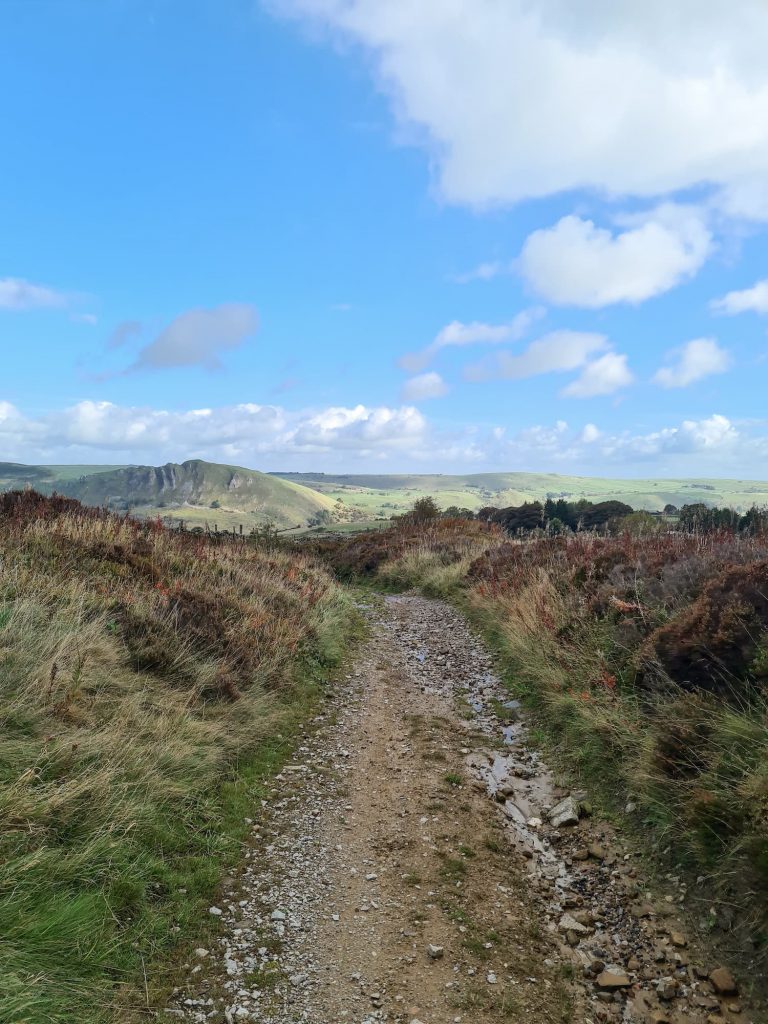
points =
(346, 235)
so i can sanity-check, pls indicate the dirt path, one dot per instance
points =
(404, 868)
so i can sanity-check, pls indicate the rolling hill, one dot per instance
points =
(229, 496)
(388, 494)
(195, 491)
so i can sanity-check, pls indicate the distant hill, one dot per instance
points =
(206, 492)
(43, 478)
(387, 494)
(195, 490)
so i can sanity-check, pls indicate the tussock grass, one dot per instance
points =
(149, 683)
(644, 661)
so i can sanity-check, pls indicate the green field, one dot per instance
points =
(210, 495)
(385, 495)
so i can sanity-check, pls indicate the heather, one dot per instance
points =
(149, 682)
(643, 654)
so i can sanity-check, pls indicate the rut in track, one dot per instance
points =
(385, 883)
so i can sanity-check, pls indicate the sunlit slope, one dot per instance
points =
(195, 490)
(382, 494)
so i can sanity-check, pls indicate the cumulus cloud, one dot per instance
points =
(705, 446)
(604, 376)
(754, 299)
(245, 432)
(576, 263)
(590, 434)
(423, 386)
(556, 352)
(458, 334)
(528, 98)
(18, 294)
(272, 437)
(198, 337)
(697, 359)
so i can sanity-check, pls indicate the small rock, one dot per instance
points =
(568, 923)
(667, 988)
(216, 911)
(597, 851)
(435, 952)
(612, 981)
(277, 915)
(490, 978)
(722, 979)
(678, 939)
(564, 813)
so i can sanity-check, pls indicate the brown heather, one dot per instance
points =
(148, 682)
(645, 659)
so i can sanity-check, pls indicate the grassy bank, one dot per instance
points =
(149, 684)
(645, 659)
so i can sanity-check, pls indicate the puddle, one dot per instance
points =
(516, 778)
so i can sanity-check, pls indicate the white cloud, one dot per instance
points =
(695, 360)
(359, 437)
(458, 334)
(604, 376)
(482, 272)
(526, 98)
(17, 294)
(197, 337)
(754, 299)
(590, 434)
(556, 352)
(576, 263)
(245, 432)
(425, 385)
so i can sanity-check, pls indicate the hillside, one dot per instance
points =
(44, 478)
(195, 491)
(139, 711)
(387, 494)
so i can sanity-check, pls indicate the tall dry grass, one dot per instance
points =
(645, 659)
(147, 682)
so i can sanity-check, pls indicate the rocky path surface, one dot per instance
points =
(416, 863)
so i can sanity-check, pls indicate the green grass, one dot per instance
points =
(150, 685)
(694, 763)
(383, 494)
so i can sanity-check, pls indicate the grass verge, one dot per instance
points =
(643, 661)
(150, 684)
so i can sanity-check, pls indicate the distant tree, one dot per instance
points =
(565, 511)
(424, 509)
(456, 512)
(636, 523)
(754, 520)
(215, 504)
(670, 510)
(487, 513)
(521, 518)
(598, 515)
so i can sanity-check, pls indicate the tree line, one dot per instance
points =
(557, 516)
